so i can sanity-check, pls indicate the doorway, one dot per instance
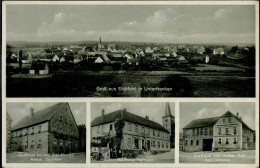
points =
(207, 144)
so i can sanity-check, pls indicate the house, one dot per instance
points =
(77, 58)
(55, 58)
(41, 68)
(137, 133)
(102, 59)
(9, 121)
(50, 130)
(224, 133)
(201, 50)
(62, 59)
(148, 50)
(218, 51)
(174, 54)
(181, 59)
(207, 59)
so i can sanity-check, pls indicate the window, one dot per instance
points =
(193, 132)
(32, 145)
(39, 143)
(159, 145)
(219, 130)
(26, 131)
(226, 131)
(219, 141)
(229, 120)
(158, 133)
(223, 120)
(206, 131)
(166, 125)
(162, 145)
(201, 131)
(166, 120)
(186, 142)
(98, 129)
(191, 142)
(198, 132)
(166, 144)
(61, 118)
(40, 128)
(136, 143)
(130, 127)
(32, 130)
(136, 128)
(142, 129)
(102, 128)
(153, 132)
(148, 131)
(210, 131)
(197, 142)
(111, 127)
(235, 141)
(235, 130)
(227, 141)
(130, 142)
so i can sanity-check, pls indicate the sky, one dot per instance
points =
(155, 110)
(135, 23)
(19, 110)
(195, 110)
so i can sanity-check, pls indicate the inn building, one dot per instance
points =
(50, 130)
(225, 133)
(139, 134)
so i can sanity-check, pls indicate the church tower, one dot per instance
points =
(168, 123)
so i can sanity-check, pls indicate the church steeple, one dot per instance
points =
(167, 110)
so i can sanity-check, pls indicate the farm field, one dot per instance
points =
(85, 83)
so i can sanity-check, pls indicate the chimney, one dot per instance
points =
(237, 114)
(32, 111)
(146, 117)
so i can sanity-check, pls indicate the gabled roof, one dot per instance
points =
(8, 117)
(229, 114)
(126, 116)
(38, 117)
(206, 122)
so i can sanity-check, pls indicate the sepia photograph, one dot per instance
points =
(46, 132)
(217, 132)
(132, 132)
(130, 50)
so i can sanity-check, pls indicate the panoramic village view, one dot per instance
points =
(161, 53)
(217, 132)
(120, 133)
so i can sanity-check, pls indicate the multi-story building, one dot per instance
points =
(227, 132)
(51, 130)
(8, 132)
(138, 134)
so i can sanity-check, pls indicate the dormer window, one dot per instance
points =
(229, 120)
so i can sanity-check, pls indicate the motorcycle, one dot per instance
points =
(97, 157)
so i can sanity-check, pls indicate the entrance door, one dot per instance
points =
(207, 144)
(148, 145)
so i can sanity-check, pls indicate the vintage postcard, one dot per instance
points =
(130, 84)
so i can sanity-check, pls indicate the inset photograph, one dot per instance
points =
(46, 133)
(133, 132)
(217, 132)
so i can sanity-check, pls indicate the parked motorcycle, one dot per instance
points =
(97, 157)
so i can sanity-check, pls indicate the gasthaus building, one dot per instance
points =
(51, 130)
(225, 133)
(136, 135)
